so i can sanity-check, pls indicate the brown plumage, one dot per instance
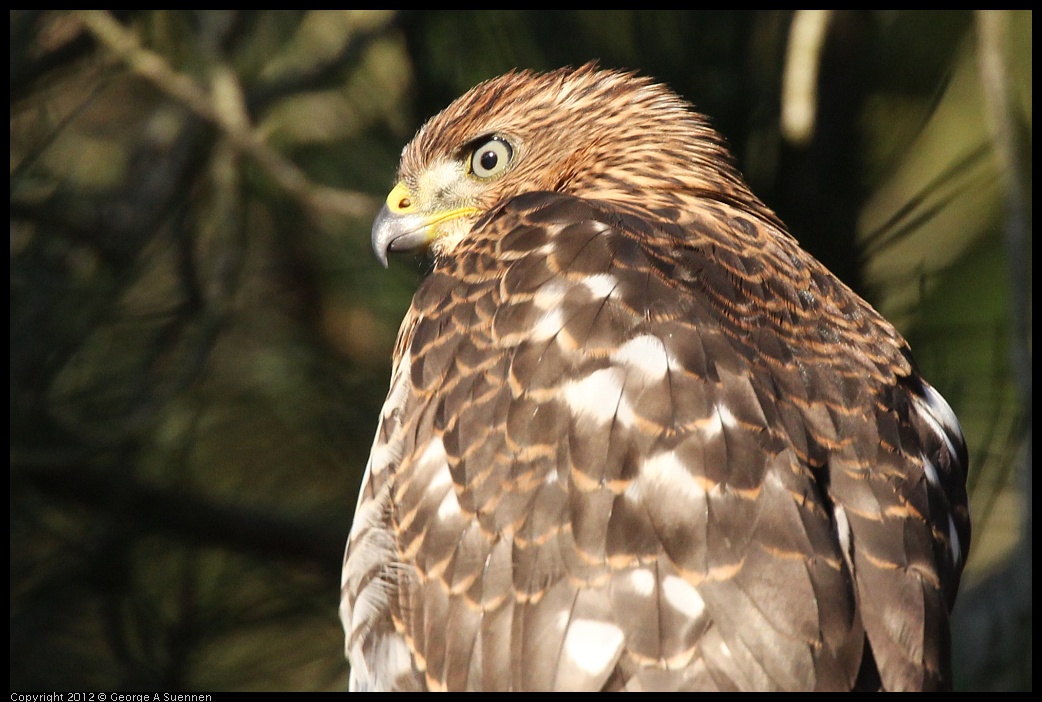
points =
(636, 438)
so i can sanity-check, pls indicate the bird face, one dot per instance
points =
(438, 204)
(501, 140)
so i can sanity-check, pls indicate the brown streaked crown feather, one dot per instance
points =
(624, 138)
(636, 438)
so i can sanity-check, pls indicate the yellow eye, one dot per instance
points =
(491, 158)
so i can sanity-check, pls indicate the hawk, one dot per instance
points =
(636, 438)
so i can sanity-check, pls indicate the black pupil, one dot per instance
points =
(489, 159)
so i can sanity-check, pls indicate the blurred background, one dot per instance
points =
(201, 337)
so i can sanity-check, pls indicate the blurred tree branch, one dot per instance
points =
(144, 309)
(146, 509)
(225, 107)
(994, 639)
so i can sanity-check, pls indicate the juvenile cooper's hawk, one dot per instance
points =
(636, 438)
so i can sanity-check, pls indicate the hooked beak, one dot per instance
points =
(400, 227)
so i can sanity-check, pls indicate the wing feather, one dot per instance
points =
(634, 454)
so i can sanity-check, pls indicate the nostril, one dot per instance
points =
(404, 202)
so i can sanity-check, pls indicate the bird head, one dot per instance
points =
(598, 134)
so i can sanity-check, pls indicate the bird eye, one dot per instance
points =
(491, 158)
